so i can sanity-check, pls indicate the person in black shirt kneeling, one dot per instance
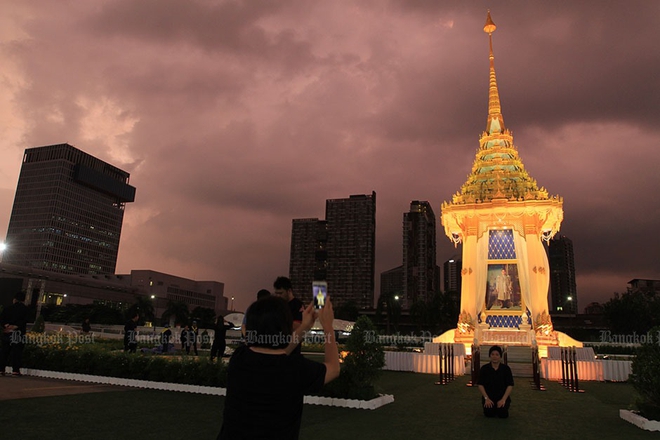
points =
(495, 384)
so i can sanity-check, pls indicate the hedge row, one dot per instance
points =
(92, 360)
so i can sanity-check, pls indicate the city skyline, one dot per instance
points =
(235, 118)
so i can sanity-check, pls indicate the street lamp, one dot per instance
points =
(232, 303)
(3, 247)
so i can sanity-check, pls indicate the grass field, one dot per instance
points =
(421, 410)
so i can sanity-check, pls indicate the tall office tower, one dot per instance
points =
(307, 261)
(562, 276)
(351, 249)
(68, 212)
(452, 274)
(419, 260)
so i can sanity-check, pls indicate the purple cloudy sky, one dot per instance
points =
(235, 117)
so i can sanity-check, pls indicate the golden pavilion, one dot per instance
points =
(501, 217)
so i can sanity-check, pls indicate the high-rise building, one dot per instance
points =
(419, 255)
(563, 289)
(351, 249)
(452, 274)
(68, 212)
(308, 257)
(391, 282)
(339, 250)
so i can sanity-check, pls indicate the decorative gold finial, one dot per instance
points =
(489, 27)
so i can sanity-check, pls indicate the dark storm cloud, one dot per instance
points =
(235, 117)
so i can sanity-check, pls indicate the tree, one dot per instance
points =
(176, 311)
(645, 378)
(389, 303)
(634, 311)
(107, 315)
(204, 316)
(144, 307)
(348, 311)
(420, 314)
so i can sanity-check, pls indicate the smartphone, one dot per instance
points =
(320, 293)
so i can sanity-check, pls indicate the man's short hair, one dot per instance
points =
(20, 296)
(268, 323)
(496, 348)
(282, 283)
(263, 293)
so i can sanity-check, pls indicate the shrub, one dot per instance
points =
(93, 359)
(645, 378)
(364, 362)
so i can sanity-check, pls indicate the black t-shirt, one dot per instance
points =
(265, 394)
(494, 381)
(15, 314)
(130, 330)
(221, 331)
(296, 307)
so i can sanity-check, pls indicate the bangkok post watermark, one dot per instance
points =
(59, 338)
(606, 336)
(371, 337)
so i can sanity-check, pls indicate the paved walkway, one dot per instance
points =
(27, 386)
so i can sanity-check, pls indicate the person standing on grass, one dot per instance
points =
(86, 326)
(130, 334)
(495, 384)
(13, 322)
(166, 334)
(220, 338)
(265, 385)
(194, 330)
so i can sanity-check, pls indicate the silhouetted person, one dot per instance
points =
(130, 334)
(86, 326)
(186, 338)
(13, 322)
(220, 338)
(284, 289)
(165, 338)
(195, 331)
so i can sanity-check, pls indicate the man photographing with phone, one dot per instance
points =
(265, 385)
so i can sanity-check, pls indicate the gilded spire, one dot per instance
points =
(497, 172)
(495, 123)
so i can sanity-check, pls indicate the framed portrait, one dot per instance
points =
(503, 288)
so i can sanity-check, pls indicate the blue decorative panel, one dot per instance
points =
(507, 321)
(500, 245)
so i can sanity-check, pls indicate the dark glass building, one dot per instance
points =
(420, 271)
(340, 250)
(351, 249)
(308, 257)
(452, 274)
(563, 288)
(68, 212)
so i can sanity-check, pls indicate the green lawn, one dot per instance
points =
(421, 410)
